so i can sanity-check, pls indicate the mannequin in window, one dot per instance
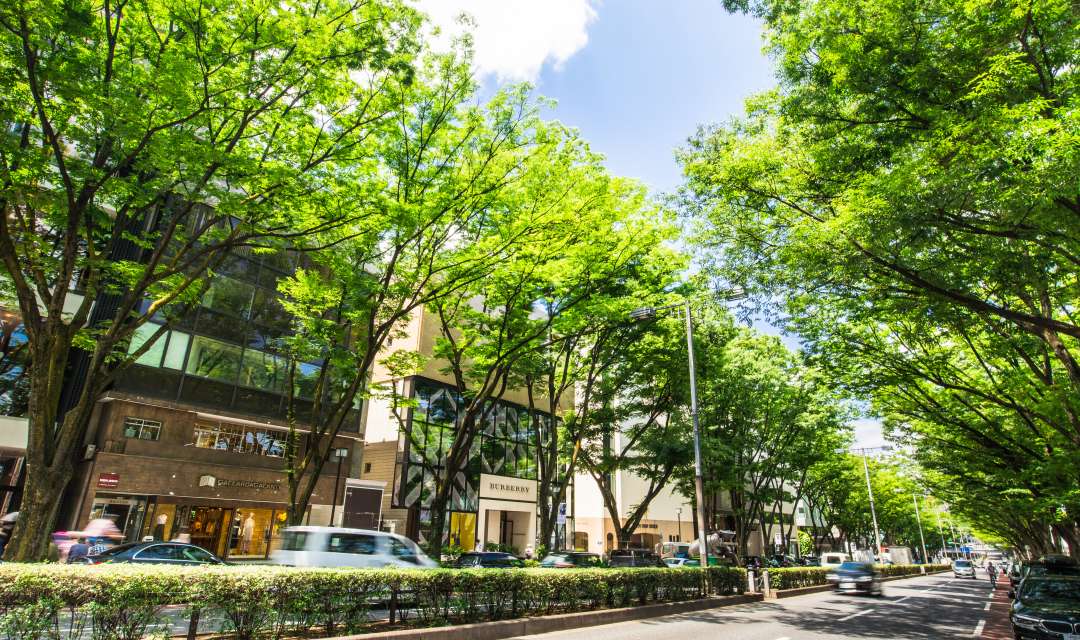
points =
(247, 531)
(159, 528)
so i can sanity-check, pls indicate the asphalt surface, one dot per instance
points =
(920, 608)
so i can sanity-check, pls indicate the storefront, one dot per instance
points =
(507, 514)
(233, 512)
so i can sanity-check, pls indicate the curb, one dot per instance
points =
(560, 622)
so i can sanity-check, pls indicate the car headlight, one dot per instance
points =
(1025, 621)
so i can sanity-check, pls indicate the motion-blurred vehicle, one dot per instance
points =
(623, 558)
(673, 549)
(676, 563)
(810, 561)
(571, 560)
(963, 569)
(856, 577)
(172, 553)
(341, 547)
(833, 559)
(488, 560)
(1046, 608)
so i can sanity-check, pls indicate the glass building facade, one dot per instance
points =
(225, 355)
(505, 447)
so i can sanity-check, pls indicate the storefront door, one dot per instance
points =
(207, 526)
(251, 532)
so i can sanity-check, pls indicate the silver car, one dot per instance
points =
(963, 569)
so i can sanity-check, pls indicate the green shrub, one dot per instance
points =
(120, 602)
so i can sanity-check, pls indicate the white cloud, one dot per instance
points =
(514, 39)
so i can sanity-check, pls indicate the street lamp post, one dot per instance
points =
(918, 519)
(678, 518)
(870, 493)
(340, 454)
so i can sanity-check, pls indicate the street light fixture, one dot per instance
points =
(649, 313)
(340, 454)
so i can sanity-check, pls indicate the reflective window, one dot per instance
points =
(152, 357)
(236, 439)
(141, 428)
(213, 359)
(351, 543)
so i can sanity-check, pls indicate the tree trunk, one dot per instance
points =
(37, 512)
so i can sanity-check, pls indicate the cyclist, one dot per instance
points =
(992, 571)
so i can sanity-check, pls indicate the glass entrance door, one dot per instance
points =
(207, 526)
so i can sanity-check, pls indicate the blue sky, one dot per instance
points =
(637, 77)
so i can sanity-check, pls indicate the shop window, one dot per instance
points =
(238, 440)
(141, 428)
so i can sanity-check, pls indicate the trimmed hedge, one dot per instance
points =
(796, 577)
(127, 602)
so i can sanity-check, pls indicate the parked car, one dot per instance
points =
(488, 560)
(963, 569)
(1046, 608)
(1051, 565)
(623, 558)
(833, 559)
(857, 577)
(676, 563)
(172, 553)
(571, 560)
(341, 547)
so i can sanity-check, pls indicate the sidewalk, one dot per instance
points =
(998, 626)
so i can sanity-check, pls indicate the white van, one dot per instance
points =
(341, 547)
(831, 559)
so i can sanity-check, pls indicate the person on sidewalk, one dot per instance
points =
(78, 550)
(992, 571)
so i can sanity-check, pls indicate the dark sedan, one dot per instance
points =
(857, 577)
(174, 553)
(488, 560)
(1047, 608)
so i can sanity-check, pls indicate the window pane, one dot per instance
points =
(262, 371)
(306, 378)
(152, 357)
(213, 359)
(229, 296)
(178, 344)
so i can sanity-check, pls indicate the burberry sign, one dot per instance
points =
(505, 488)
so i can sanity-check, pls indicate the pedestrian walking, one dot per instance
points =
(98, 546)
(992, 571)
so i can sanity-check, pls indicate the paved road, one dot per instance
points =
(914, 609)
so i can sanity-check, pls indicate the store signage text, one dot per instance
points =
(108, 480)
(217, 483)
(502, 487)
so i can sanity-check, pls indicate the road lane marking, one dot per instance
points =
(784, 638)
(855, 615)
(978, 629)
(987, 607)
(900, 600)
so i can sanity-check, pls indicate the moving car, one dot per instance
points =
(488, 560)
(675, 563)
(857, 577)
(963, 569)
(1046, 608)
(173, 553)
(673, 549)
(341, 547)
(834, 559)
(571, 560)
(634, 558)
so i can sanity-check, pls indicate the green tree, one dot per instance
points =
(143, 143)
(909, 193)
